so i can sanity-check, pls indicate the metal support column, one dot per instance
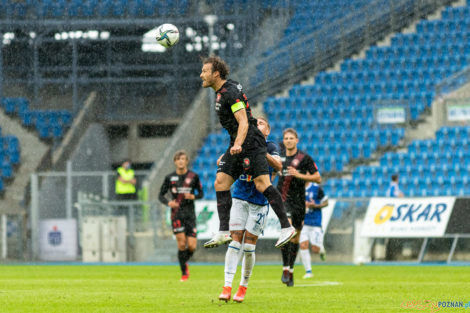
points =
(68, 186)
(34, 216)
(3, 227)
(105, 187)
(108, 74)
(210, 21)
(452, 249)
(36, 78)
(423, 250)
(1, 67)
(74, 76)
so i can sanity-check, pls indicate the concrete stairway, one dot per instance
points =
(32, 152)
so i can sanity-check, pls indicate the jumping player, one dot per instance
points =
(247, 220)
(246, 154)
(184, 187)
(297, 169)
(312, 231)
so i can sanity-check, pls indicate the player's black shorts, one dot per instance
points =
(250, 162)
(296, 214)
(184, 224)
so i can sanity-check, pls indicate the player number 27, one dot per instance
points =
(261, 217)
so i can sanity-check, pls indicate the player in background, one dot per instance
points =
(247, 220)
(297, 169)
(184, 187)
(315, 201)
(245, 155)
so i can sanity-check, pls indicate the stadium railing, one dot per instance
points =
(143, 224)
(453, 82)
(375, 23)
(66, 187)
(149, 229)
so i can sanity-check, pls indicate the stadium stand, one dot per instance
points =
(9, 157)
(49, 124)
(429, 168)
(91, 8)
(335, 116)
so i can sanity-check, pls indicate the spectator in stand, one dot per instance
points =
(394, 189)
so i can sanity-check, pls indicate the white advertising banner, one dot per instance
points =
(391, 115)
(457, 113)
(208, 220)
(407, 217)
(58, 240)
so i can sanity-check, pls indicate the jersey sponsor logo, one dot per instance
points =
(174, 178)
(245, 177)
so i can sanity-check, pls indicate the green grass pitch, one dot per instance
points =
(334, 288)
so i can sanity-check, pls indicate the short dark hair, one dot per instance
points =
(290, 130)
(218, 65)
(266, 120)
(394, 177)
(180, 153)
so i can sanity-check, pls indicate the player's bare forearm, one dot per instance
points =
(313, 205)
(243, 125)
(315, 178)
(275, 163)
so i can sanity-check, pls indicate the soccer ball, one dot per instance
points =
(167, 35)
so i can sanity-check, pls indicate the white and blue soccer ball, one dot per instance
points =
(167, 35)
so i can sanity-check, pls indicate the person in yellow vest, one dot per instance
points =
(125, 182)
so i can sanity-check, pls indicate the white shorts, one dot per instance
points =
(314, 234)
(248, 216)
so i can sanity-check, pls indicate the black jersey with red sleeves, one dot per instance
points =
(230, 99)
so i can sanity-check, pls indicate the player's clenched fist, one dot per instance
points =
(235, 149)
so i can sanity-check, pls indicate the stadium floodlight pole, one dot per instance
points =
(210, 21)
(1, 68)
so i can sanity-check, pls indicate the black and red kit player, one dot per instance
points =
(246, 153)
(298, 168)
(184, 187)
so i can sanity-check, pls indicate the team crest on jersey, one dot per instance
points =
(218, 97)
(246, 163)
(174, 190)
(187, 181)
(239, 87)
(295, 162)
